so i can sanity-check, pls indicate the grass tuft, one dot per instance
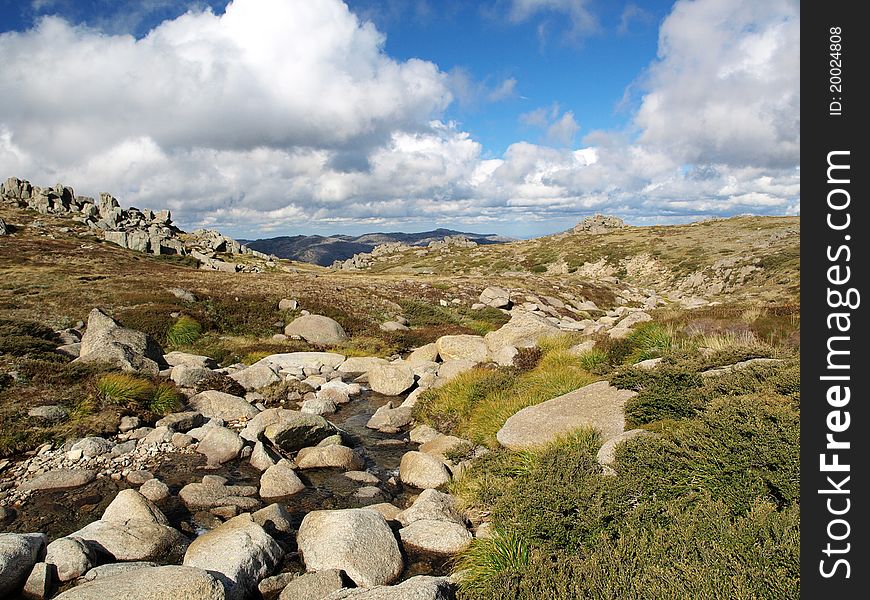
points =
(165, 399)
(488, 560)
(186, 330)
(123, 389)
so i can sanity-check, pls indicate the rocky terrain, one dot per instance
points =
(173, 427)
(325, 250)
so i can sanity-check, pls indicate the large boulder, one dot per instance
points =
(420, 587)
(495, 297)
(187, 376)
(361, 364)
(453, 368)
(333, 456)
(70, 556)
(271, 416)
(357, 541)
(313, 585)
(130, 350)
(317, 329)
(151, 583)
(279, 481)
(458, 347)
(524, 330)
(220, 445)
(132, 528)
(391, 379)
(219, 405)
(301, 360)
(299, 431)
(256, 376)
(435, 537)
(423, 470)
(432, 505)
(424, 354)
(18, 553)
(389, 419)
(239, 553)
(598, 405)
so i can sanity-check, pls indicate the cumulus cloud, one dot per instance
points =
(278, 114)
(560, 128)
(726, 87)
(471, 93)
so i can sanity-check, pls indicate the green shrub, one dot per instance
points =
(664, 393)
(124, 389)
(165, 399)
(186, 330)
(26, 338)
(151, 318)
(538, 268)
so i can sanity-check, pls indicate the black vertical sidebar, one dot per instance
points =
(835, 372)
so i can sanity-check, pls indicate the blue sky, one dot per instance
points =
(512, 116)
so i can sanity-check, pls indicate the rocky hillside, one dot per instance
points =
(325, 250)
(396, 426)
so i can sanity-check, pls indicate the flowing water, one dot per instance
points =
(60, 513)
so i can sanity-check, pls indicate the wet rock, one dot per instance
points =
(279, 481)
(423, 470)
(18, 553)
(218, 405)
(150, 583)
(239, 552)
(362, 477)
(213, 492)
(357, 541)
(331, 456)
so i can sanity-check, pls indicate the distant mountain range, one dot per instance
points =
(323, 250)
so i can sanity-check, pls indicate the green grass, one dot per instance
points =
(165, 398)
(489, 560)
(477, 403)
(123, 389)
(186, 330)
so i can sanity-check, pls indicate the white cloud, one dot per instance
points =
(283, 114)
(726, 87)
(470, 93)
(582, 20)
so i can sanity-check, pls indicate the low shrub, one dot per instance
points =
(527, 359)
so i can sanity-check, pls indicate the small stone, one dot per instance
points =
(139, 477)
(155, 490)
